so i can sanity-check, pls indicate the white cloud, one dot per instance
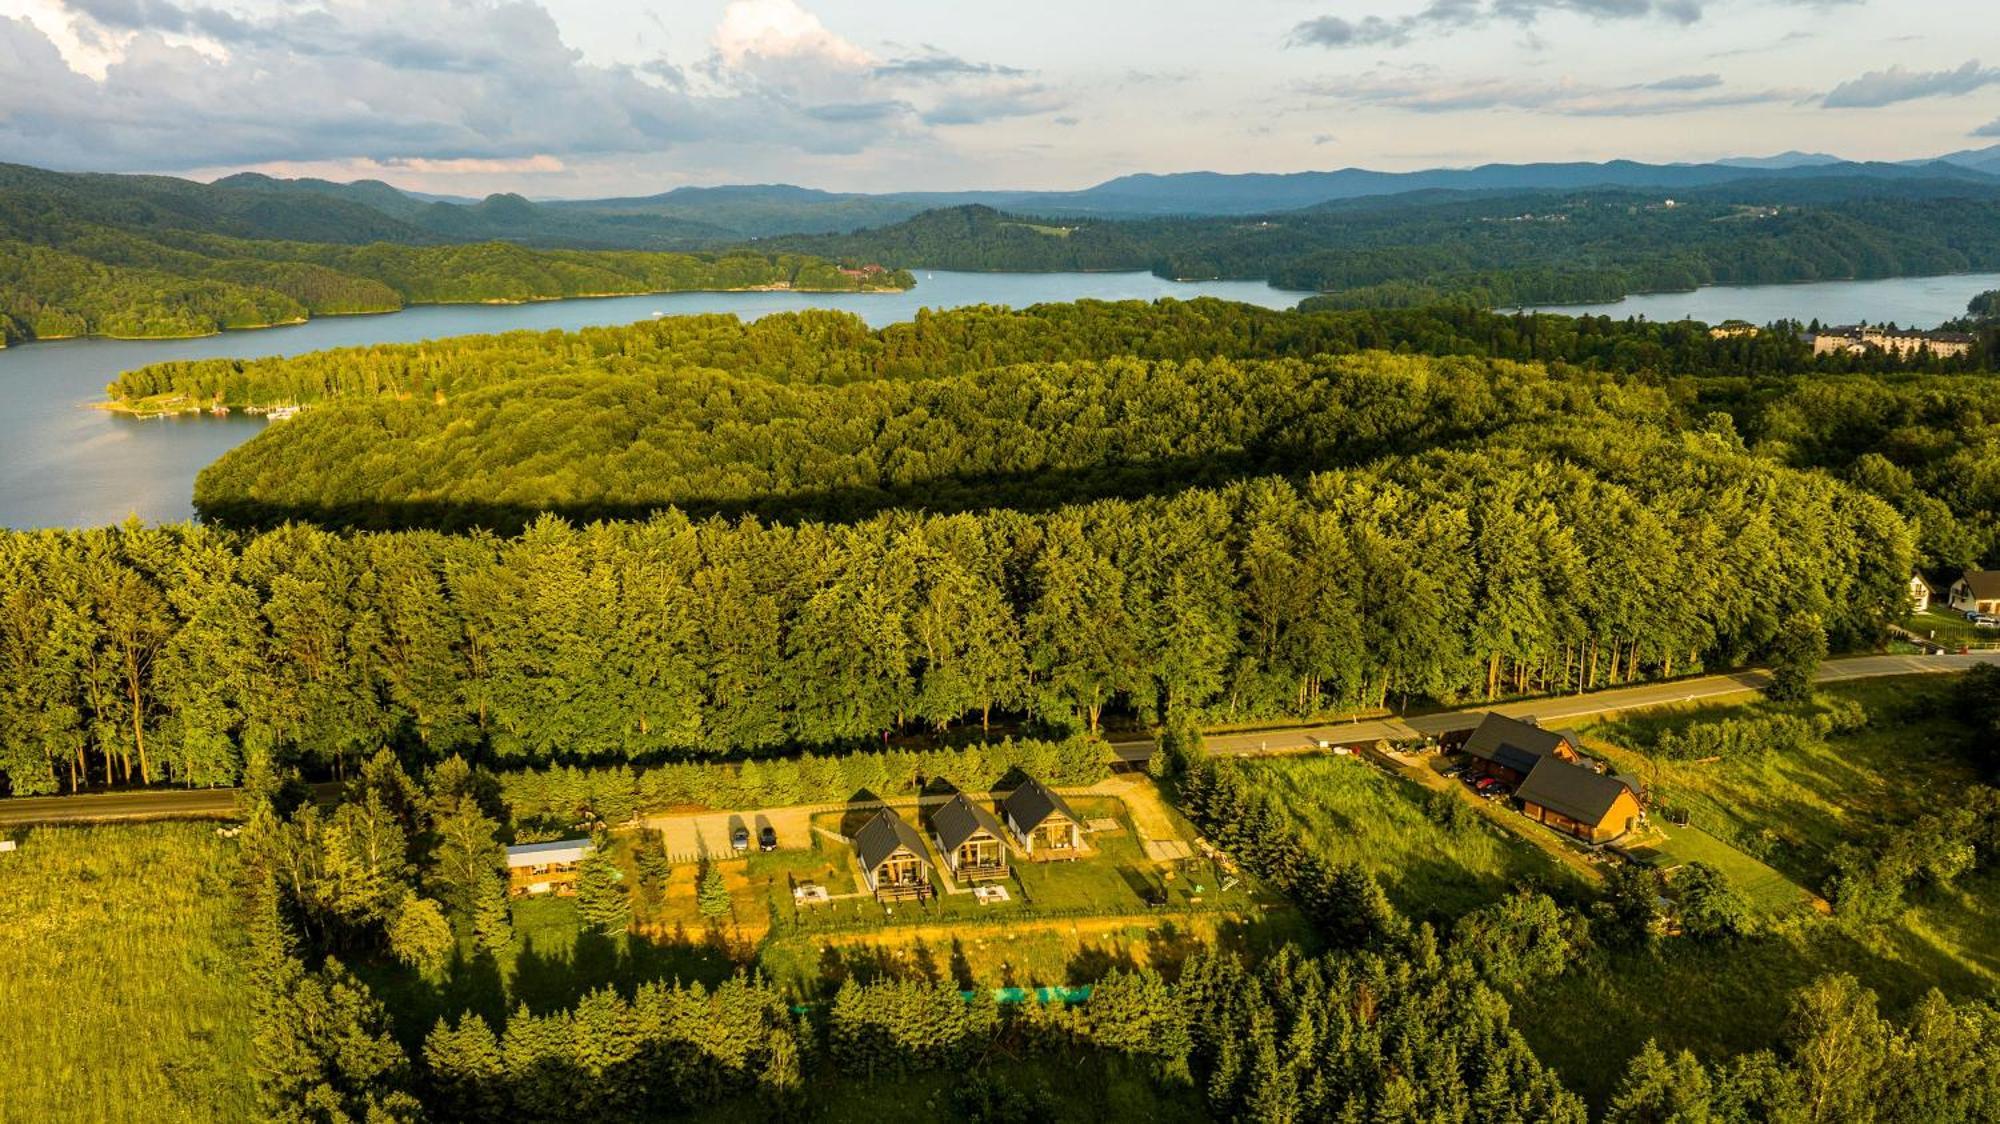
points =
(779, 29)
(1878, 88)
(1423, 90)
(443, 84)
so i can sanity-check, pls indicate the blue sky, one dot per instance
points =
(594, 97)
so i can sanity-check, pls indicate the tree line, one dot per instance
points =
(148, 654)
(59, 280)
(1492, 250)
(823, 346)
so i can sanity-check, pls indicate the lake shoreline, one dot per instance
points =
(491, 302)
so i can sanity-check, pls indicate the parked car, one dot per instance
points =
(739, 838)
(1987, 622)
(1489, 786)
(767, 838)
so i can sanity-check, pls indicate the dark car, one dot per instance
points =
(767, 838)
(739, 838)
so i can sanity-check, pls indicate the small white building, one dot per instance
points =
(1920, 594)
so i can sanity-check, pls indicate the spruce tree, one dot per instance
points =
(600, 894)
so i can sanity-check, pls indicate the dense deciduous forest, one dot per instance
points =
(815, 415)
(1490, 250)
(168, 653)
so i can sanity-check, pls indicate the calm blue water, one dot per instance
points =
(1912, 302)
(65, 465)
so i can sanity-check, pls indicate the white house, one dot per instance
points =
(1920, 594)
(1977, 591)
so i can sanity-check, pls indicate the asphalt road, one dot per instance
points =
(153, 804)
(1566, 708)
(220, 803)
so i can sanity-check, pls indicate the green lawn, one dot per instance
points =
(123, 987)
(1355, 812)
(1770, 893)
(1949, 627)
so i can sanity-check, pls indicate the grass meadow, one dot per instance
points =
(1355, 812)
(122, 986)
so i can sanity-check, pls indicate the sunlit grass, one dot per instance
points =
(122, 988)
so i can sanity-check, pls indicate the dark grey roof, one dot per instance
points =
(1983, 584)
(1033, 803)
(959, 820)
(882, 835)
(1572, 790)
(1513, 743)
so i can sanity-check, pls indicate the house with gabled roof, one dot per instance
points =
(970, 839)
(893, 862)
(1921, 593)
(1977, 591)
(1510, 748)
(1042, 822)
(546, 868)
(1575, 800)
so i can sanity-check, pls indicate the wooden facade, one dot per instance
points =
(892, 858)
(1621, 817)
(1042, 822)
(969, 839)
(546, 868)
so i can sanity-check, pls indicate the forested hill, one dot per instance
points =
(815, 415)
(1492, 250)
(152, 256)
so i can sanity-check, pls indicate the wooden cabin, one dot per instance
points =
(1041, 822)
(1509, 748)
(970, 839)
(546, 868)
(1594, 807)
(893, 863)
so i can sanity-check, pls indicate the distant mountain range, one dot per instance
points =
(258, 206)
(691, 215)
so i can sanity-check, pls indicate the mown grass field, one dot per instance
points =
(122, 991)
(1355, 812)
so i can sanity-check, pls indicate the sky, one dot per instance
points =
(583, 98)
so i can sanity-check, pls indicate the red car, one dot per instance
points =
(1488, 786)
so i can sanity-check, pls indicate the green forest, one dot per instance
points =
(153, 257)
(1496, 250)
(603, 584)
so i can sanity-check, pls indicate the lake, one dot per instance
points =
(65, 465)
(1912, 302)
